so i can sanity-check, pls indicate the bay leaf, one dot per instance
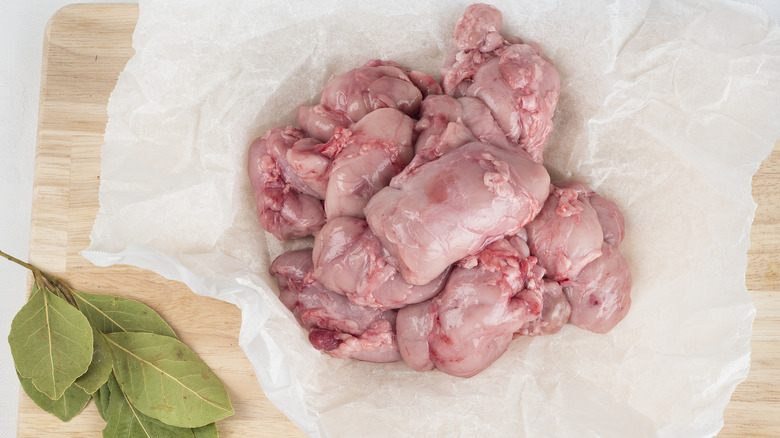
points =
(99, 368)
(112, 314)
(51, 342)
(124, 420)
(207, 431)
(65, 408)
(102, 398)
(166, 380)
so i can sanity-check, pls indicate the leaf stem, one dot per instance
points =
(44, 280)
(19, 262)
(67, 292)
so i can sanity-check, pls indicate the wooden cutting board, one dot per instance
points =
(86, 46)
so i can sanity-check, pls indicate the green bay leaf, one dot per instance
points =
(166, 380)
(51, 342)
(207, 431)
(112, 314)
(102, 398)
(65, 408)
(124, 420)
(99, 368)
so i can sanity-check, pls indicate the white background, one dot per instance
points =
(22, 24)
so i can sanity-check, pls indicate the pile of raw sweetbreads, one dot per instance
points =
(438, 236)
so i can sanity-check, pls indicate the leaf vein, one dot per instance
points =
(48, 332)
(135, 414)
(105, 315)
(181, 384)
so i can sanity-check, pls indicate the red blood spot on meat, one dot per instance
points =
(439, 192)
(324, 340)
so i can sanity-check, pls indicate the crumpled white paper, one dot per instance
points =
(667, 108)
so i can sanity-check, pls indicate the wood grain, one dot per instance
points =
(754, 410)
(86, 46)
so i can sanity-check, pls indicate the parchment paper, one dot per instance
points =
(667, 108)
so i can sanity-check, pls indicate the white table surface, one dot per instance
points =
(22, 24)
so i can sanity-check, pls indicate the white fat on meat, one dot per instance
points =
(350, 96)
(478, 29)
(438, 236)
(447, 123)
(488, 297)
(555, 312)
(286, 206)
(454, 206)
(555, 306)
(349, 259)
(336, 326)
(516, 81)
(356, 162)
(613, 225)
(566, 235)
(575, 238)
